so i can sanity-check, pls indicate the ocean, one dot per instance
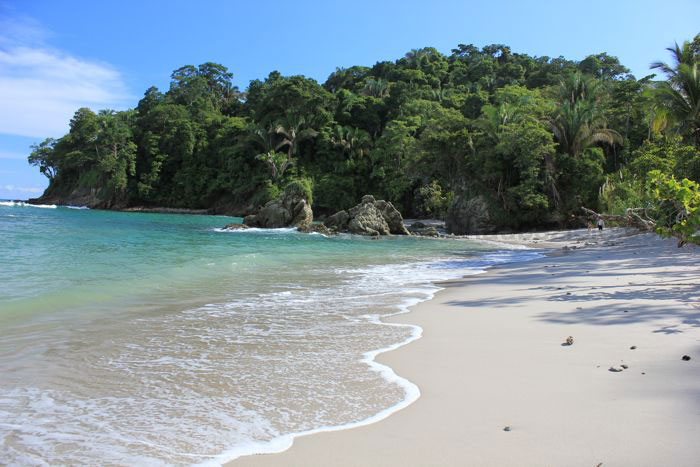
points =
(159, 339)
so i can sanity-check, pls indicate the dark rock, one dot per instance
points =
(469, 216)
(615, 369)
(624, 366)
(569, 341)
(366, 219)
(685, 358)
(316, 228)
(633, 347)
(506, 428)
(425, 232)
(370, 217)
(291, 210)
(236, 227)
(338, 221)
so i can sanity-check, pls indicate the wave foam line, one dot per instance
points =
(411, 390)
(22, 204)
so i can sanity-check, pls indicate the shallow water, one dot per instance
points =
(154, 339)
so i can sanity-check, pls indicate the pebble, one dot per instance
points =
(624, 366)
(569, 340)
(615, 369)
(506, 428)
(685, 358)
(633, 347)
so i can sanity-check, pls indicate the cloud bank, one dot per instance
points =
(41, 87)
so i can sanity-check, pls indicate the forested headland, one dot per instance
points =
(517, 141)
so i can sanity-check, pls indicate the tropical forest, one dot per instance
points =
(492, 139)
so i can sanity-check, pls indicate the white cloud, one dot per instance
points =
(22, 189)
(41, 87)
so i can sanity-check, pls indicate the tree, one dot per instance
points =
(44, 156)
(681, 93)
(294, 130)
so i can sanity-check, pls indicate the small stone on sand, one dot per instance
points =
(633, 347)
(506, 428)
(615, 369)
(685, 358)
(624, 366)
(569, 341)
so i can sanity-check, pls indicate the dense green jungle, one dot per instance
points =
(522, 142)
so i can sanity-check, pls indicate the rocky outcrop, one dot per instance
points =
(370, 217)
(291, 210)
(237, 227)
(317, 228)
(468, 216)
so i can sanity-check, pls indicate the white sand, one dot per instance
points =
(491, 356)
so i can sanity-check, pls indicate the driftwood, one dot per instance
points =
(636, 218)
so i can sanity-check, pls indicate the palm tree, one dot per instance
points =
(293, 129)
(681, 93)
(376, 88)
(353, 141)
(578, 123)
(686, 54)
(265, 139)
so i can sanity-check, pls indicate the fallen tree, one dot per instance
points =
(633, 217)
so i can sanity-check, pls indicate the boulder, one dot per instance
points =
(366, 219)
(317, 228)
(338, 221)
(236, 227)
(370, 217)
(291, 210)
(392, 216)
(469, 215)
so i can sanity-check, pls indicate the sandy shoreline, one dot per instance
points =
(491, 357)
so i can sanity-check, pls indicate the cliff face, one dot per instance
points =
(90, 197)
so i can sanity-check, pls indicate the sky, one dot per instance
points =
(56, 57)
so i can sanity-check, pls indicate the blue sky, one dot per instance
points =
(58, 56)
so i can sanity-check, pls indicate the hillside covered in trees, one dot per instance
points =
(526, 140)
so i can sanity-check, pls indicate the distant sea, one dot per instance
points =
(159, 339)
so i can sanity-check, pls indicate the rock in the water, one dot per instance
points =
(366, 219)
(291, 210)
(469, 216)
(392, 216)
(236, 227)
(316, 228)
(370, 217)
(685, 358)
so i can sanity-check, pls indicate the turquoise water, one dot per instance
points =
(154, 339)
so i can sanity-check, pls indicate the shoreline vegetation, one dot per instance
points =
(490, 140)
(578, 358)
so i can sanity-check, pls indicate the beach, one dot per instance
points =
(500, 387)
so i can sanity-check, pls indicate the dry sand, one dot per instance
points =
(491, 356)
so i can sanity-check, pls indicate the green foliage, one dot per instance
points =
(301, 187)
(534, 137)
(675, 207)
(431, 202)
